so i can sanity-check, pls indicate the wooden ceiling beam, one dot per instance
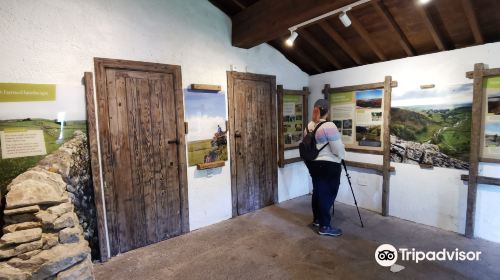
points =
(308, 37)
(269, 19)
(384, 12)
(239, 4)
(328, 29)
(366, 37)
(473, 23)
(438, 40)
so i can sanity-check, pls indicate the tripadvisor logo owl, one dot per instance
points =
(387, 255)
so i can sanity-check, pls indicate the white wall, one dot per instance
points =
(434, 197)
(55, 41)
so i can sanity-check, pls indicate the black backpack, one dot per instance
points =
(307, 148)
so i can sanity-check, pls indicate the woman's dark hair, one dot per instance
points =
(322, 111)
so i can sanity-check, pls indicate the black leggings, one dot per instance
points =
(326, 181)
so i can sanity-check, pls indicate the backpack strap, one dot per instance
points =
(314, 133)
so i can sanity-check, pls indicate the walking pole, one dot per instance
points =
(352, 191)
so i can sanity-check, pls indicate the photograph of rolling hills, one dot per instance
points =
(432, 127)
(369, 99)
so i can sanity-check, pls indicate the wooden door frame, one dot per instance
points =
(231, 76)
(101, 64)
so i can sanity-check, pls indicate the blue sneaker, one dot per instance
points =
(329, 231)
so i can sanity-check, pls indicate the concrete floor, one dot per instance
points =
(275, 243)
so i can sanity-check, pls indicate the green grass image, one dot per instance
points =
(11, 168)
(449, 129)
(197, 150)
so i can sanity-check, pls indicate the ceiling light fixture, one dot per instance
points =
(423, 2)
(291, 39)
(343, 17)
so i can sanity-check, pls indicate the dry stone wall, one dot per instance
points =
(43, 236)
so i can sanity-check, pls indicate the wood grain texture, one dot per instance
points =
(320, 48)
(367, 38)
(94, 164)
(335, 36)
(386, 143)
(386, 15)
(375, 167)
(431, 27)
(205, 87)
(252, 114)
(281, 139)
(473, 23)
(146, 180)
(475, 143)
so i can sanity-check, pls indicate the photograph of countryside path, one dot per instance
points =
(432, 126)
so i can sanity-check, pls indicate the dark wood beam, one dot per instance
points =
(308, 37)
(304, 57)
(239, 4)
(366, 37)
(269, 19)
(431, 27)
(384, 12)
(328, 29)
(471, 17)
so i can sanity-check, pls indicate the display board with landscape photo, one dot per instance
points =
(32, 128)
(207, 135)
(491, 140)
(358, 116)
(432, 127)
(293, 122)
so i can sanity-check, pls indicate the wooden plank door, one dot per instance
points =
(143, 152)
(252, 114)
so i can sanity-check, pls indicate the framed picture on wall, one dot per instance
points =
(292, 120)
(358, 113)
(490, 142)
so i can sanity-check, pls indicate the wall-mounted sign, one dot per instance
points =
(11, 92)
(358, 117)
(491, 142)
(22, 143)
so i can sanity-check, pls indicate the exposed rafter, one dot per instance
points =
(308, 37)
(366, 37)
(431, 27)
(472, 19)
(304, 57)
(341, 42)
(239, 4)
(269, 19)
(382, 10)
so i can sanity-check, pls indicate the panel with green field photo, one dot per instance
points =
(432, 126)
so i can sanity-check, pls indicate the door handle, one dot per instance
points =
(175, 141)
(237, 134)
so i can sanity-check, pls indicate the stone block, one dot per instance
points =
(8, 272)
(49, 240)
(20, 218)
(28, 255)
(26, 247)
(33, 192)
(66, 220)
(22, 236)
(81, 271)
(61, 209)
(22, 210)
(47, 219)
(21, 226)
(70, 235)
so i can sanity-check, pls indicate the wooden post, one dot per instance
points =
(281, 142)
(305, 110)
(386, 140)
(475, 143)
(94, 164)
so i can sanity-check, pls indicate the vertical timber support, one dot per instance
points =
(475, 144)
(281, 141)
(94, 165)
(386, 140)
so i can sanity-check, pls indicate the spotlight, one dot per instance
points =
(291, 39)
(423, 2)
(344, 18)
